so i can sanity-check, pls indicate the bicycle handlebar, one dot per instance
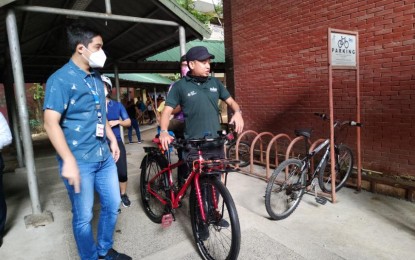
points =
(348, 122)
(183, 143)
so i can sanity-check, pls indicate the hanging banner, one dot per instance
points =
(343, 49)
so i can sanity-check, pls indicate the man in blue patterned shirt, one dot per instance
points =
(76, 123)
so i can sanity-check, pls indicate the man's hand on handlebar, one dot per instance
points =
(165, 139)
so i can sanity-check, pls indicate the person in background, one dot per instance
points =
(150, 110)
(5, 139)
(142, 109)
(76, 124)
(117, 116)
(132, 111)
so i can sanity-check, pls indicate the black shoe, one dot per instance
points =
(223, 223)
(203, 232)
(125, 200)
(114, 255)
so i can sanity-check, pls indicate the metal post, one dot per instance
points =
(108, 6)
(117, 87)
(182, 40)
(20, 93)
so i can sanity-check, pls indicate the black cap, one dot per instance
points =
(198, 53)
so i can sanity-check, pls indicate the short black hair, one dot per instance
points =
(79, 33)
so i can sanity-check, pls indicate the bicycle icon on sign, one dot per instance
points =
(343, 42)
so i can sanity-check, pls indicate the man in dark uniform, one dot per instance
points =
(198, 94)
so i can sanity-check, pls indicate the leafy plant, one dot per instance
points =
(36, 123)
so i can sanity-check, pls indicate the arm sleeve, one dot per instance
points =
(224, 93)
(56, 96)
(173, 97)
(123, 112)
(5, 134)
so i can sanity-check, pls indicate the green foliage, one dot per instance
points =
(205, 18)
(36, 115)
(38, 91)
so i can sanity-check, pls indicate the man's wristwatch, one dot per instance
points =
(238, 111)
(163, 131)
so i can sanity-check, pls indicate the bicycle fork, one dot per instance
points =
(210, 198)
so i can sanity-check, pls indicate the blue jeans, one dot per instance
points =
(134, 124)
(102, 178)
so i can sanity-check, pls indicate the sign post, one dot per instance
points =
(343, 53)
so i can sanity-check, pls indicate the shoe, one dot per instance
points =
(139, 142)
(203, 232)
(125, 200)
(223, 223)
(114, 255)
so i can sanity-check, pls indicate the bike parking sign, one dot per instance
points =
(343, 49)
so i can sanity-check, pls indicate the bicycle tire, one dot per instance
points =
(153, 208)
(282, 194)
(220, 237)
(243, 151)
(344, 167)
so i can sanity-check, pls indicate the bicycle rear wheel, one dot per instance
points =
(285, 189)
(220, 236)
(243, 153)
(153, 208)
(344, 166)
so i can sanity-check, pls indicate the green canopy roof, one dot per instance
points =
(216, 48)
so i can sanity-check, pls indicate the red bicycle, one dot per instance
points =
(213, 215)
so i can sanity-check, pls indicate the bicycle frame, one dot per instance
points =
(194, 176)
(306, 160)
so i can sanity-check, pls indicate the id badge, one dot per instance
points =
(100, 130)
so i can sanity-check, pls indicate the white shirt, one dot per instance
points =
(5, 134)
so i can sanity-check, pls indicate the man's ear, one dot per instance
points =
(191, 65)
(80, 48)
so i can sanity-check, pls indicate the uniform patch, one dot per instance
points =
(192, 93)
(213, 89)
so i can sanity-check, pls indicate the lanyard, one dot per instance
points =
(96, 98)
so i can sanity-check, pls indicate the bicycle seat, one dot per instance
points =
(303, 132)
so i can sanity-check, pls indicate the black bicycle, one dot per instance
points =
(289, 181)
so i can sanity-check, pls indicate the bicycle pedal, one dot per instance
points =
(321, 200)
(166, 220)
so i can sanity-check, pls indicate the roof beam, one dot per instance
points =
(60, 11)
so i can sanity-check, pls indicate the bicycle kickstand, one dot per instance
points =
(319, 199)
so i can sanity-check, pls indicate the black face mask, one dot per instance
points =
(198, 79)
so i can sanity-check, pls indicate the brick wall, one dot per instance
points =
(280, 73)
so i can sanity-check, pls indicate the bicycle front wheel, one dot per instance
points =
(344, 167)
(285, 189)
(220, 236)
(153, 207)
(243, 153)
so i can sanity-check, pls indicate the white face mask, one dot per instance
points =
(105, 90)
(96, 59)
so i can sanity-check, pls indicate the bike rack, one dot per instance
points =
(251, 152)
(267, 159)
(239, 140)
(293, 142)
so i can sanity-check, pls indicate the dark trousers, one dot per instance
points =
(3, 206)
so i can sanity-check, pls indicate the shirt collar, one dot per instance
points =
(79, 71)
